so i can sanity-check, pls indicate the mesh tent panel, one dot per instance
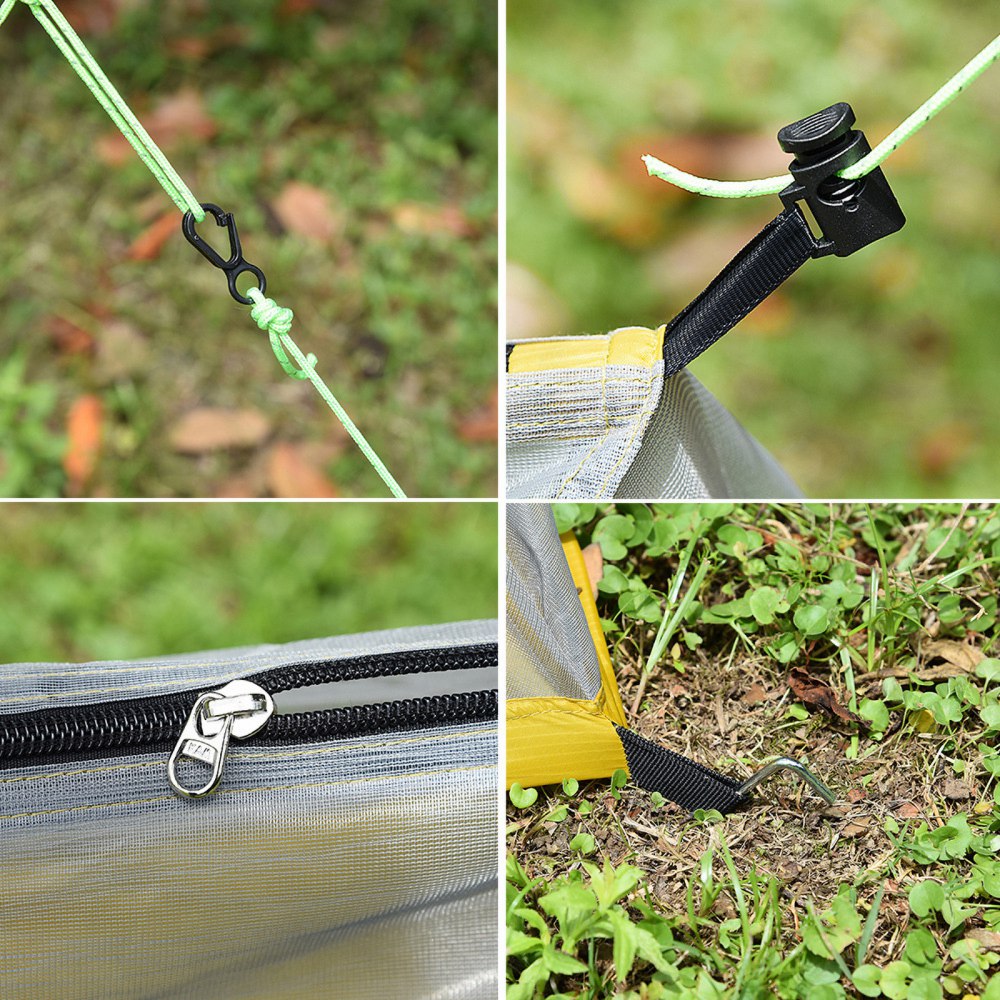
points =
(573, 433)
(693, 447)
(550, 651)
(621, 430)
(361, 867)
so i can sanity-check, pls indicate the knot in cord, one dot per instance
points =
(268, 315)
(277, 321)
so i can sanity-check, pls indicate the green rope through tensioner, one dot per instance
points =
(274, 319)
(772, 185)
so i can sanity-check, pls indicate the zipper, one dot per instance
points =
(200, 724)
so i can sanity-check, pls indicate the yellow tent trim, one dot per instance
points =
(608, 698)
(633, 345)
(551, 738)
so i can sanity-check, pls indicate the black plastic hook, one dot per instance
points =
(233, 267)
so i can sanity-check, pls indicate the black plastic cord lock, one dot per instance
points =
(233, 267)
(851, 213)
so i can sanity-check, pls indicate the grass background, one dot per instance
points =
(103, 581)
(888, 612)
(865, 375)
(378, 104)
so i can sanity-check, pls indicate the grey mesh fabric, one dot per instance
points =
(572, 433)
(549, 648)
(352, 868)
(694, 448)
(623, 431)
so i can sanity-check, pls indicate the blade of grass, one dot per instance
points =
(868, 932)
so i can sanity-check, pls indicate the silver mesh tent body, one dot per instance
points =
(358, 867)
(593, 418)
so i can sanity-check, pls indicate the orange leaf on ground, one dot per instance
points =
(213, 429)
(308, 211)
(83, 447)
(482, 424)
(68, 338)
(291, 475)
(150, 242)
(943, 449)
(182, 116)
(419, 217)
(92, 17)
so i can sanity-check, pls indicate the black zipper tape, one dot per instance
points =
(146, 724)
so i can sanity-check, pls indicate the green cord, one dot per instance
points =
(772, 185)
(278, 321)
(68, 42)
(266, 313)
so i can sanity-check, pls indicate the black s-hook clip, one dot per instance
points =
(233, 267)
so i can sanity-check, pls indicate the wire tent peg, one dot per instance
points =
(797, 768)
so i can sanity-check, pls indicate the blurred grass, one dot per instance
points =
(866, 376)
(378, 104)
(113, 580)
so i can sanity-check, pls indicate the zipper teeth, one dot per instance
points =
(408, 661)
(360, 720)
(90, 727)
(158, 719)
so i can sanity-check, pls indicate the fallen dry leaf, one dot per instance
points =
(151, 241)
(813, 692)
(593, 560)
(291, 475)
(419, 217)
(943, 449)
(308, 211)
(181, 116)
(83, 447)
(856, 795)
(987, 938)
(481, 425)
(857, 826)
(93, 17)
(212, 429)
(67, 337)
(755, 694)
(956, 791)
(963, 656)
(596, 194)
(909, 810)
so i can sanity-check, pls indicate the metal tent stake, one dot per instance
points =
(788, 764)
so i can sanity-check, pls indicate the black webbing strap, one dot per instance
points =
(773, 255)
(678, 779)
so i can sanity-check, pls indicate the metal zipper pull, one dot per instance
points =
(237, 710)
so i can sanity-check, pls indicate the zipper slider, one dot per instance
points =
(237, 710)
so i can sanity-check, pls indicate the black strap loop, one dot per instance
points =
(771, 257)
(689, 784)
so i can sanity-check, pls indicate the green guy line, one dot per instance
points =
(274, 319)
(772, 185)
